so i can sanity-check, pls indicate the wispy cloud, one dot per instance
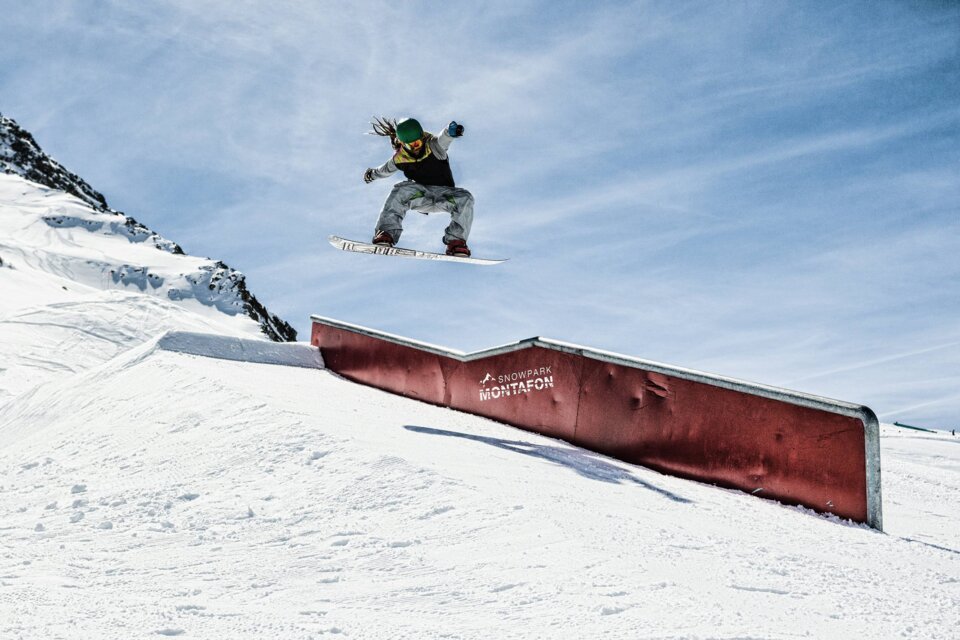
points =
(761, 190)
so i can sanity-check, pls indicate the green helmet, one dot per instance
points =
(409, 130)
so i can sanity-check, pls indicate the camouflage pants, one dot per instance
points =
(409, 195)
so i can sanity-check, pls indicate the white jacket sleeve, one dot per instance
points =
(385, 169)
(441, 143)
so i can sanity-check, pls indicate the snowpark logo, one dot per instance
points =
(515, 383)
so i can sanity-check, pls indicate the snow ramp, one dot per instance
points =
(774, 443)
(288, 354)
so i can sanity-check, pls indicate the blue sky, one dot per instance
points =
(765, 190)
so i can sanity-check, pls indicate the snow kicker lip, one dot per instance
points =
(210, 345)
(776, 443)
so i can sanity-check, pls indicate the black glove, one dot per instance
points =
(454, 130)
(368, 176)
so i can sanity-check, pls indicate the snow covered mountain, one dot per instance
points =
(41, 229)
(165, 471)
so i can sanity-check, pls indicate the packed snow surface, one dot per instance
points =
(166, 472)
(174, 494)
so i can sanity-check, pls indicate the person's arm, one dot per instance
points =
(382, 171)
(453, 130)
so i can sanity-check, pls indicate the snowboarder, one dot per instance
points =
(429, 187)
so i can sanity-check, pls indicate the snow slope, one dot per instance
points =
(74, 279)
(52, 221)
(168, 493)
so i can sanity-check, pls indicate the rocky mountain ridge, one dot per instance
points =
(213, 283)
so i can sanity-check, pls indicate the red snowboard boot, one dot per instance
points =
(458, 248)
(383, 239)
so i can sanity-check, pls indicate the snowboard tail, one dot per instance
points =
(366, 247)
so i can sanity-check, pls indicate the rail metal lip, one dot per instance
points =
(775, 393)
(871, 425)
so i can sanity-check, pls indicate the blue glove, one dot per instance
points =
(454, 130)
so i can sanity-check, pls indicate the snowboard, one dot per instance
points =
(366, 247)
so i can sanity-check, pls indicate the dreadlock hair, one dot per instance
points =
(386, 127)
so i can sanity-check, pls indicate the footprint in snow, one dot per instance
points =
(400, 544)
(612, 611)
(436, 512)
(190, 608)
(79, 488)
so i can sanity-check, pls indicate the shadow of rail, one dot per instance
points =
(585, 463)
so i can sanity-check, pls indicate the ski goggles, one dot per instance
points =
(414, 146)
